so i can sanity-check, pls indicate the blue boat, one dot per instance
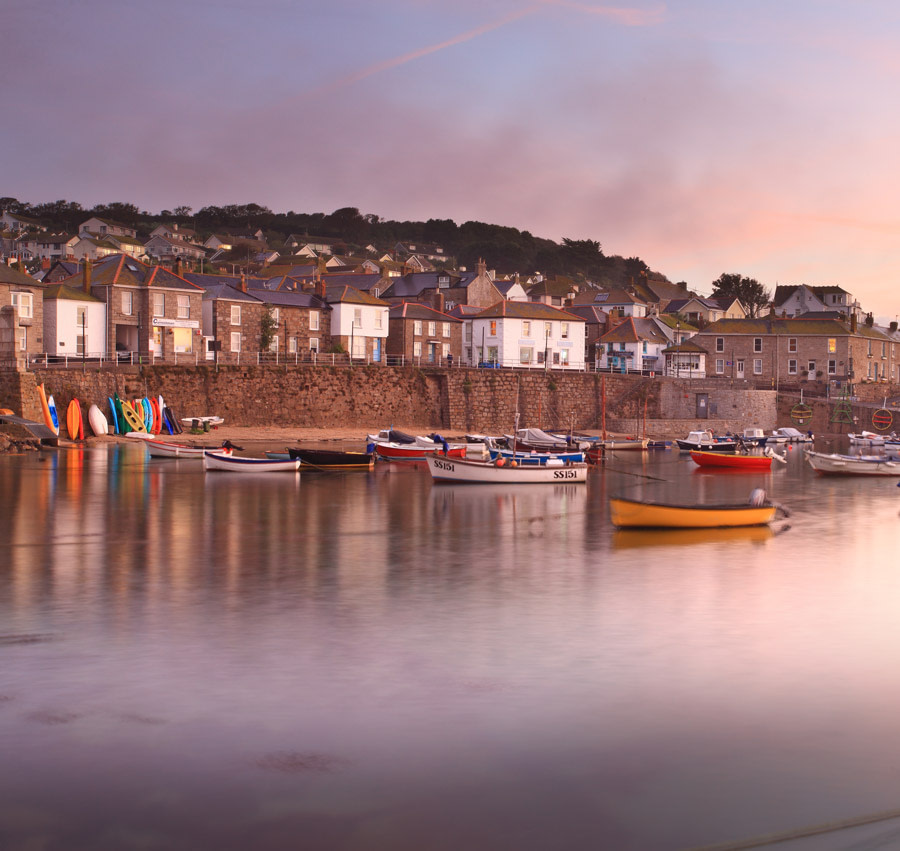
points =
(536, 458)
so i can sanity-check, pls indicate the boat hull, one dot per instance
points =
(722, 460)
(333, 459)
(407, 451)
(461, 471)
(626, 513)
(535, 459)
(853, 465)
(215, 461)
(163, 449)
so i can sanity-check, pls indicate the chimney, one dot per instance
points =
(481, 268)
(853, 322)
(178, 265)
(243, 283)
(45, 263)
(320, 289)
(438, 301)
(86, 275)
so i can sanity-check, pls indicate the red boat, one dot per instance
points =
(406, 451)
(731, 461)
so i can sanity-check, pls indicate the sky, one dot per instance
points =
(703, 136)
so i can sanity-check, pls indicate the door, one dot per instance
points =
(703, 406)
(740, 369)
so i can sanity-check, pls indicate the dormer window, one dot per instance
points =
(443, 281)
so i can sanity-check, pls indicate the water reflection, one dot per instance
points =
(366, 660)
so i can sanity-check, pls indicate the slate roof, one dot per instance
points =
(686, 346)
(783, 292)
(790, 327)
(10, 275)
(671, 320)
(227, 292)
(413, 284)
(415, 310)
(292, 298)
(526, 310)
(207, 281)
(633, 330)
(122, 270)
(593, 314)
(351, 295)
(63, 291)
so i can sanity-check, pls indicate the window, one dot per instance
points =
(468, 330)
(564, 330)
(359, 347)
(236, 340)
(127, 302)
(548, 330)
(832, 345)
(832, 367)
(357, 317)
(445, 329)
(757, 366)
(292, 345)
(792, 344)
(314, 344)
(492, 354)
(720, 344)
(563, 357)
(81, 317)
(445, 350)
(22, 337)
(184, 307)
(540, 356)
(526, 328)
(720, 366)
(811, 367)
(556, 357)
(314, 320)
(417, 327)
(379, 318)
(24, 303)
(417, 349)
(884, 350)
(526, 354)
(443, 282)
(432, 329)
(870, 349)
(757, 344)
(792, 367)
(493, 327)
(235, 314)
(276, 315)
(159, 304)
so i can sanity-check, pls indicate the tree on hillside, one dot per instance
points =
(749, 291)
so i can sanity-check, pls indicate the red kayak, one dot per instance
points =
(734, 462)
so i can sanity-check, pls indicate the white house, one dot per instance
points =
(796, 300)
(74, 322)
(526, 334)
(359, 322)
(105, 227)
(51, 246)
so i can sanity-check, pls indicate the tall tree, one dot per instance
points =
(749, 291)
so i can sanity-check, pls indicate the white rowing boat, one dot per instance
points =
(213, 460)
(446, 469)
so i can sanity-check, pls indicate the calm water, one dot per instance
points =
(368, 661)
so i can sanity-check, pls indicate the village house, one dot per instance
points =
(685, 359)
(596, 324)
(231, 321)
(528, 335)
(511, 288)
(634, 344)
(49, 246)
(359, 322)
(554, 292)
(163, 249)
(104, 228)
(616, 302)
(460, 287)
(774, 352)
(74, 323)
(150, 312)
(19, 224)
(701, 311)
(419, 333)
(791, 301)
(21, 317)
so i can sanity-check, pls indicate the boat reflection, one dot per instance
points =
(626, 539)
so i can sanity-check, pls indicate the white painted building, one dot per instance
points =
(359, 322)
(529, 335)
(74, 322)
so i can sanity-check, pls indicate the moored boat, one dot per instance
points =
(705, 441)
(165, 449)
(868, 438)
(628, 513)
(213, 460)
(852, 465)
(535, 439)
(336, 459)
(535, 459)
(731, 460)
(444, 469)
(414, 452)
(789, 434)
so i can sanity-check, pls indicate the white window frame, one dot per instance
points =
(22, 336)
(417, 348)
(314, 344)
(446, 329)
(127, 303)
(432, 329)
(564, 330)
(235, 342)
(720, 344)
(357, 317)
(292, 345)
(792, 345)
(757, 344)
(184, 306)
(159, 304)
(24, 304)
(720, 366)
(417, 327)
(314, 320)
(235, 314)
(757, 366)
(792, 366)
(832, 367)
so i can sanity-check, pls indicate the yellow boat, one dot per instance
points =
(631, 513)
(627, 539)
(133, 418)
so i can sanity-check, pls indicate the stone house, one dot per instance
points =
(165, 250)
(21, 317)
(74, 322)
(359, 322)
(231, 321)
(302, 320)
(596, 324)
(420, 334)
(150, 312)
(528, 335)
(553, 291)
(775, 351)
(701, 311)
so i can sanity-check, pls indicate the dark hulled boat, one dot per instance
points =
(333, 458)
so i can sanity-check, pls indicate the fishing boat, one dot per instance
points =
(165, 449)
(214, 460)
(868, 438)
(753, 437)
(203, 422)
(852, 465)
(327, 459)
(706, 441)
(414, 452)
(788, 434)
(540, 441)
(633, 513)
(465, 471)
(732, 460)
(536, 459)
